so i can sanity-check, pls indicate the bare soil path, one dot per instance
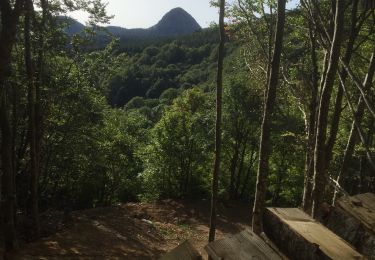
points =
(136, 231)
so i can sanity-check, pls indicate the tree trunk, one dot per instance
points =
(340, 93)
(358, 126)
(309, 163)
(265, 147)
(216, 172)
(320, 166)
(233, 168)
(281, 172)
(39, 85)
(9, 20)
(34, 170)
(248, 172)
(240, 170)
(8, 201)
(353, 132)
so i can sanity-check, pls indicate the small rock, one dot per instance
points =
(147, 221)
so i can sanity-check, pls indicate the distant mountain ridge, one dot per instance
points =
(176, 22)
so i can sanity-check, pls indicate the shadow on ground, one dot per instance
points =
(136, 230)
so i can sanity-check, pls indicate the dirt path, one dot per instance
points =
(135, 231)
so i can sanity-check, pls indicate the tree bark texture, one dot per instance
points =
(309, 162)
(33, 124)
(265, 145)
(349, 150)
(219, 93)
(320, 143)
(9, 19)
(340, 93)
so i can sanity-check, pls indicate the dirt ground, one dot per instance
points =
(136, 231)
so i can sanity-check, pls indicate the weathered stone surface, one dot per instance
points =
(185, 251)
(243, 246)
(353, 219)
(299, 236)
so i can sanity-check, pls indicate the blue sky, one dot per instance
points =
(145, 13)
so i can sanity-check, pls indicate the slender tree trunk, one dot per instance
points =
(8, 183)
(362, 166)
(240, 169)
(309, 163)
(353, 131)
(320, 166)
(216, 172)
(34, 170)
(9, 20)
(359, 128)
(233, 168)
(279, 181)
(39, 84)
(248, 172)
(265, 146)
(340, 93)
(15, 129)
(365, 187)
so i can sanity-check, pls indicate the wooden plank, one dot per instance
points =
(242, 246)
(185, 251)
(353, 219)
(301, 237)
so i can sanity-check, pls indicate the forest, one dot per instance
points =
(269, 107)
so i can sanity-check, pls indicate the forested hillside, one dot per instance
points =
(182, 62)
(88, 125)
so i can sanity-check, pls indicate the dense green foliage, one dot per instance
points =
(181, 63)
